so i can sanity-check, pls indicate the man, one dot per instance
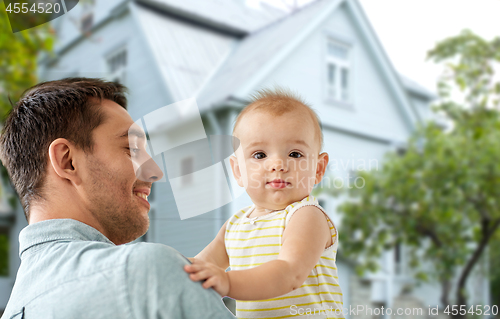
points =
(79, 165)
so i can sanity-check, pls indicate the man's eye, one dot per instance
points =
(295, 154)
(133, 151)
(259, 155)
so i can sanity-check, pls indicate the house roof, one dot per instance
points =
(417, 89)
(241, 61)
(255, 51)
(184, 54)
(230, 15)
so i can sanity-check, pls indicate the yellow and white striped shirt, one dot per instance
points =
(250, 242)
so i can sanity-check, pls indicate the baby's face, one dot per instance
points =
(278, 161)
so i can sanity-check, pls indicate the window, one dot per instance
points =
(117, 65)
(86, 22)
(338, 72)
(87, 15)
(398, 258)
(381, 314)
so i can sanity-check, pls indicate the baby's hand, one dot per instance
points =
(213, 275)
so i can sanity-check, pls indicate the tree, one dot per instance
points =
(494, 270)
(440, 199)
(18, 57)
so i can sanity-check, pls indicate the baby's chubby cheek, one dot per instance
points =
(255, 181)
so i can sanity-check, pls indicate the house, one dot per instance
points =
(220, 51)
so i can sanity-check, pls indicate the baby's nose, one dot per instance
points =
(277, 165)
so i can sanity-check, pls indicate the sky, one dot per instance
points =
(409, 28)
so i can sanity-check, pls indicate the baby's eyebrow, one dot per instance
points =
(302, 142)
(255, 144)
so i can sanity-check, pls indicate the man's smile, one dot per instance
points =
(142, 193)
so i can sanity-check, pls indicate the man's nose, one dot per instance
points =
(149, 171)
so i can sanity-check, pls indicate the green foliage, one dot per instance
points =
(18, 64)
(18, 57)
(440, 199)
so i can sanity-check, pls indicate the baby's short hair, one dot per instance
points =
(279, 101)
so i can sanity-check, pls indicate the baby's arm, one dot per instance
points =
(303, 242)
(215, 252)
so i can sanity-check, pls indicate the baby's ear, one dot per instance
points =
(236, 170)
(321, 167)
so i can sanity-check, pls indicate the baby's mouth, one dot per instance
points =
(278, 183)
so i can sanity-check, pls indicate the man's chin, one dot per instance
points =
(133, 232)
(143, 228)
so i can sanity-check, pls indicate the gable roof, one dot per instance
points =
(245, 60)
(226, 15)
(416, 89)
(259, 51)
(411, 115)
(185, 54)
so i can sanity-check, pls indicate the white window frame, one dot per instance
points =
(334, 94)
(120, 73)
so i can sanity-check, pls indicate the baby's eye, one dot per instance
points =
(295, 154)
(259, 155)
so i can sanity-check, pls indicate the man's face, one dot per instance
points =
(115, 195)
(278, 158)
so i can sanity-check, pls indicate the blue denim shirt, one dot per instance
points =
(70, 270)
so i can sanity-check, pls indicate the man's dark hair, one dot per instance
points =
(68, 108)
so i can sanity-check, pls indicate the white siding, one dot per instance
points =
(185, 54)
(88, 59)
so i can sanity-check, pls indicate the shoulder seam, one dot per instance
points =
(303, 204)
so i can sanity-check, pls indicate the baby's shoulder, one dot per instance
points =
(239, 214)
(308, 201)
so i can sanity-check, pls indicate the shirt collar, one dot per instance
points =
(56, 230)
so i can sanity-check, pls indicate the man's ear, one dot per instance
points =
(236, 170)
(63, 160)
(321, 167)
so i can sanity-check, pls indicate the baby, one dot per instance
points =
(281, 249)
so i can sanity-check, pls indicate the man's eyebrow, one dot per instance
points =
(138, 133)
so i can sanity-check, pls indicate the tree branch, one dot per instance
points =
(487, 232)
(476, 202)
(431, 234)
